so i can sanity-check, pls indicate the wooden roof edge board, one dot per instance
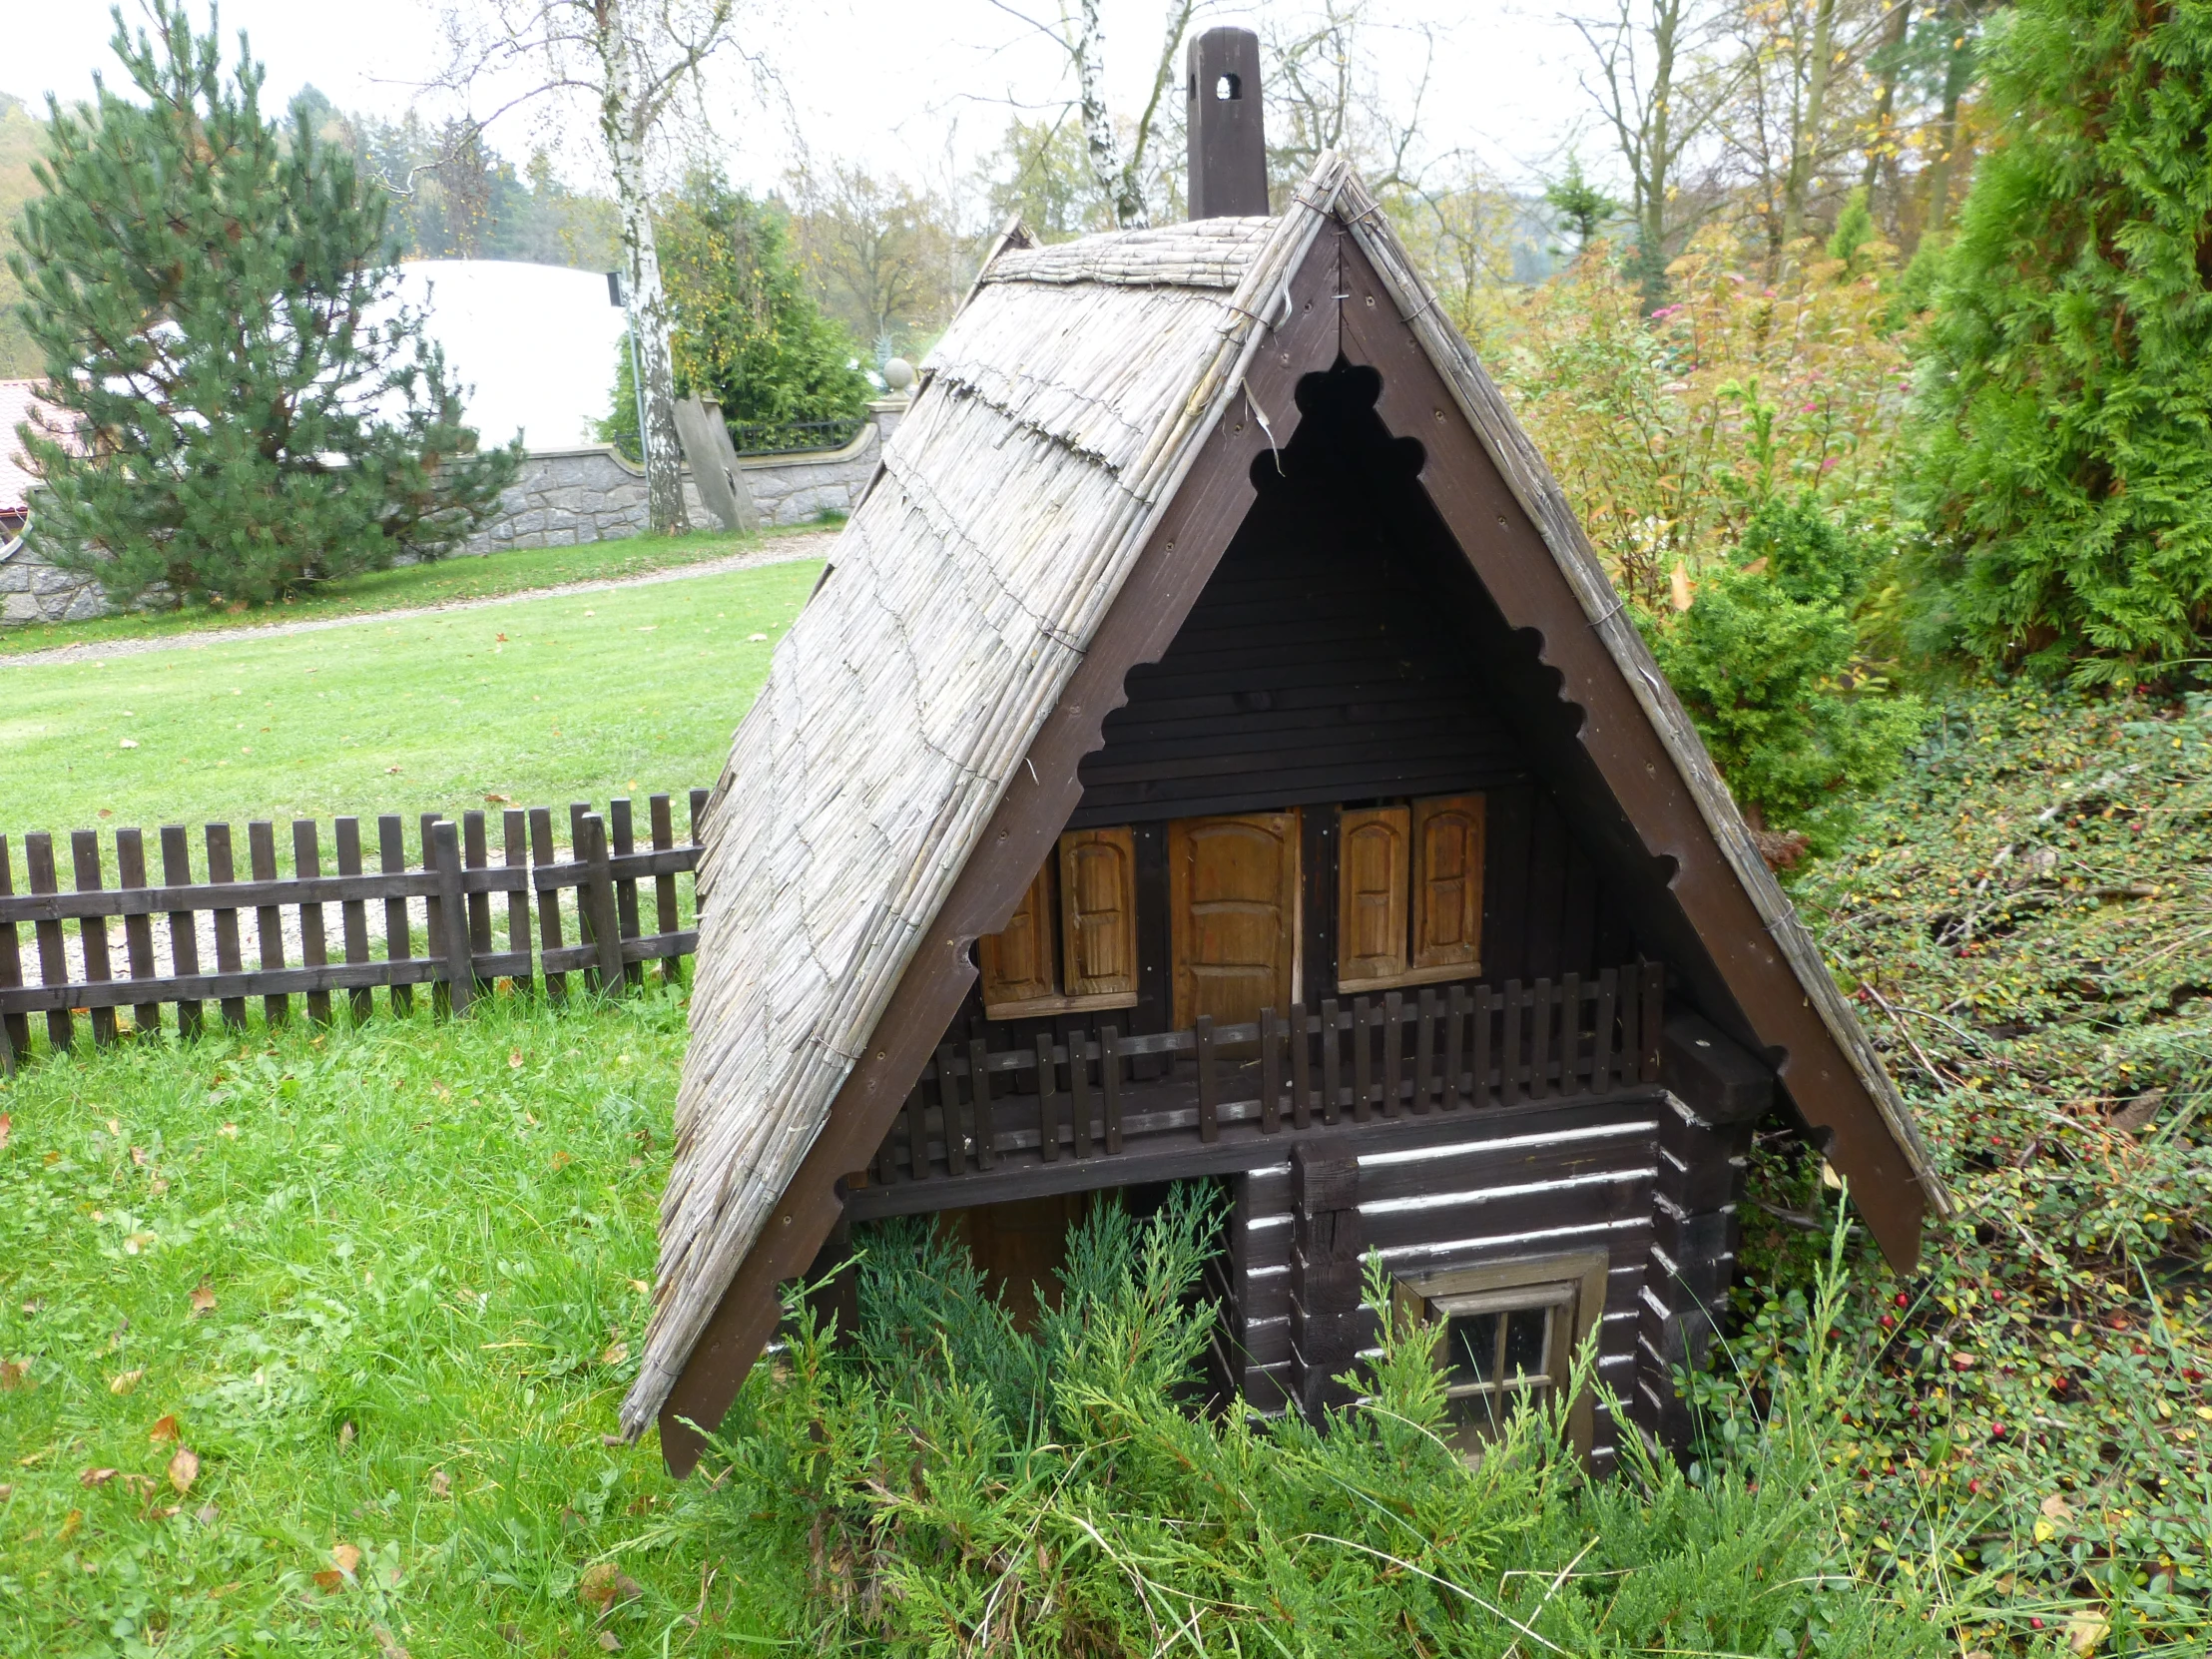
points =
(689, 1298)
(1540, 497)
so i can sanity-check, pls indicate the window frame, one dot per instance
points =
(1569, 1286)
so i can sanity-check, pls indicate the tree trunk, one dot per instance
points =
(1652, 181)
(1956, 69)
(1804, 141)
(1882, 152)
(1124, 203)
(622, 123)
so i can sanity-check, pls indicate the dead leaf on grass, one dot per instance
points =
(14, 1375)
(124, 1384)
(207, 1515)
(164, 1429)
(2055, 1507)
(68, 1528)
(345, 1434)
(7, 1127)
(184, 1469)
(610, 1642)
(95, 1477)
(346, 1558)
(615, 1354)
(142, 1484)
(388, 1642)
(2087, 1630)
(329, 1581)
(203, 1299)
(605, 1584)
(442, 1485)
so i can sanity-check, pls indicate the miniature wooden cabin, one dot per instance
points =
(1215, 752)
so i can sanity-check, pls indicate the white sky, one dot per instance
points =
(912, 86)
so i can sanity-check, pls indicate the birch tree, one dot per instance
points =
(628, 61)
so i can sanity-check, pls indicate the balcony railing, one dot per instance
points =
(1452, 1048)
(793, 437)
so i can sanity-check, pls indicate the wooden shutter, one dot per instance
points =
(1233, 901)
(1371, 865)
(1447, 884)
(1016, 962)
(1098, 916)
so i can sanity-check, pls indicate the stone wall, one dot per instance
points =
(560, 498)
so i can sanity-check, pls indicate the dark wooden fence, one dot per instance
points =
(465, 901)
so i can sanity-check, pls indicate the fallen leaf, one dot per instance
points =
(128, 742)
(184, 1469)
(126, 1383)
(7, 1126)
(610, 1642)
(135, 1242)
(6, 1491)
(442, 1485)
(640, 1287)
(95, 1477)
(2085, 1630)
(615, 1354)
(229, 1131)
(137, 1156)
(500, 637)
(346, 1558)
(221, 1590)
(164, 1429)
(390, 1644)
(328, 1580)
(68, 1528)
(14, 1375)
(345, 1434)
(500, 800)
(207, 1515)
(514, 1059)
(607, 1583)
(143, 1485)
(2055, 1507)
(755, 639)
(391, 771)
(203, 1299)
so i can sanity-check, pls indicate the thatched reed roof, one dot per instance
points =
(1054, 424)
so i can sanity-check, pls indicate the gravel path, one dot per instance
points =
(783, 550)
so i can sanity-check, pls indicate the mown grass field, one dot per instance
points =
(544, 700)
(445, 582)
(384, 1288)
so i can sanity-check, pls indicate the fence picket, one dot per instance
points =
(515, 858)
(664, 886)
(38, 856)
(353, 914)
(269, 920)
(138, 930)
(183, 927)
(17, 1026)
(549, 902)
(621, 841)
(307, 860)
(391, 858)
(84, 859)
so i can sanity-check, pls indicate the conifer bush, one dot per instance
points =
(946, 1483)
(1764, 657)
(2064, 400)
(242, 404)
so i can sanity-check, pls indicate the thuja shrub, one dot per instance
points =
(943, 1482)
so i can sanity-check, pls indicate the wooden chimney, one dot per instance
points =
(1228, 154)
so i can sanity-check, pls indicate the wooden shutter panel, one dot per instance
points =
(1448, 883)
(1371, 895)
(1233, 914)
(1016, 962)
(1098, 913)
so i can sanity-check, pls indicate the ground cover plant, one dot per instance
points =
(407, 587)
(310, 1342)
(2026, 918)
(945, 1483)
(540, 702)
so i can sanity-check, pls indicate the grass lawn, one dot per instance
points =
(490, 577)
(385, 1287)
(545, 700)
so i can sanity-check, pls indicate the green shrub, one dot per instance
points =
(1764, 659)
(244, 406)
(946, 1483)
(2064, 404)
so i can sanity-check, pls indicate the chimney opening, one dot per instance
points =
(1228, 87)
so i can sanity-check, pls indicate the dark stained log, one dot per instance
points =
(228, 957)
(307, 860)
(84, 859)
(454, 920)
(1455, 1025)
(1109, 1083)
(353, 913)
(138, 930)
(948, 1113)
(1329, 1327)
(183, 933)
(664, 886)
(53, 964)
(515, 856)
(1048, 1101)
(1330, 1065)
(980, 1103)
(549, 900)
(1270, 1072)
(1209, 1099)
(391, 854)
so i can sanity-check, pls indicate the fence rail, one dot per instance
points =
(455, 890)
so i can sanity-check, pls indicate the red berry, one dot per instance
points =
(1901, 1300)
(1888, 1322)
(2035, 1624)
(1975, 1486)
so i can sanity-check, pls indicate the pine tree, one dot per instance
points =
(2066, 385)
(243, 405)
